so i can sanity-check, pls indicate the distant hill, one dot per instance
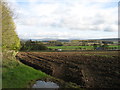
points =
(111, 39)
(68, 40)
(63, 40)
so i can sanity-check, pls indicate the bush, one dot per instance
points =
(31, 45)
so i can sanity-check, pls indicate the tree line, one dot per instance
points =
(32, 45)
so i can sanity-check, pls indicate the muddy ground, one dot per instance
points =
(87, 69)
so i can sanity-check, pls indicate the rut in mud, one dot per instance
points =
(85, 71)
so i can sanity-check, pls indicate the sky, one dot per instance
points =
(66, 19)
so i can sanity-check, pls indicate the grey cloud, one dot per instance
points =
(108, 29)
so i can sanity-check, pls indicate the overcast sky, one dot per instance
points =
(66, 19)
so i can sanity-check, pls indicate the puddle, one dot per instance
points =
(43, 84)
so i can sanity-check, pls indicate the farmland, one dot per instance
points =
(79, 47)
(70, 47)
(88, 69)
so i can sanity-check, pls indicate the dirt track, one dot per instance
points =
(84, 70)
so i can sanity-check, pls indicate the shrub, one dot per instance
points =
(31, 45)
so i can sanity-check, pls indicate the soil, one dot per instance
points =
(87, 69)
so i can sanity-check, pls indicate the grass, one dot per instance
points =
(70, 47)
(77, 47)
(18, 75)
(117, 46)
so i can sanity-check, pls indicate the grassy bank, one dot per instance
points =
(16, 74)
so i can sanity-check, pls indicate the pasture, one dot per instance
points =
(79, 47)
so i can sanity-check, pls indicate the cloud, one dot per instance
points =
(78, 15)
(83, 18)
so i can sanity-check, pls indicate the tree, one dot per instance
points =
(10, 39)
(55, 43)
(32, 45)
(94, 46)
(105, 46)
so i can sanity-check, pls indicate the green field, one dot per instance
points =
(78, 47)
(118, 46)
(70, 47)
